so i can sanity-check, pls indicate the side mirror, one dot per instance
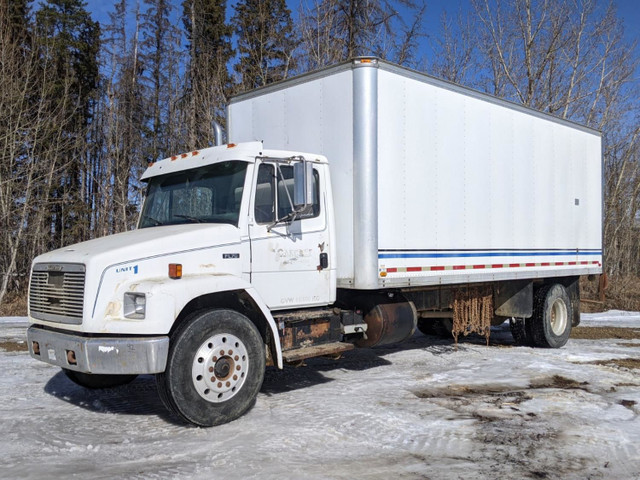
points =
(302, 186)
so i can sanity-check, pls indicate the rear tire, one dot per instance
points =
(440, 327)
(215, 368)
(518, 329)
(550, 325)
(96, 381)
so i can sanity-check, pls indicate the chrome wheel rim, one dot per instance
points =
(220, 367)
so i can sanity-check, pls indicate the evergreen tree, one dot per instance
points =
(159, 54)
(208, 82)
(16, 15)
(266, 41)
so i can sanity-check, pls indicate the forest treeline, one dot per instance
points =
(84, 106)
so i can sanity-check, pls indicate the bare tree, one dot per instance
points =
(337, 30)
(208, 81)
(32, 122)
(569, 58)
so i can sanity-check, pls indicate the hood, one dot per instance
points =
(143, 243)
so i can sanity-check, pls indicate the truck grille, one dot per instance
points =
(56, 292)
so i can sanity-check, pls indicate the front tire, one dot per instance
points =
(96, 381)
(215, 368)
(550, 324)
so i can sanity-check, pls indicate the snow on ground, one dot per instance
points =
(419, 410)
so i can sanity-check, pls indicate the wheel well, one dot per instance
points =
(238, 300)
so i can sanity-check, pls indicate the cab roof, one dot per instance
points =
(247, 151)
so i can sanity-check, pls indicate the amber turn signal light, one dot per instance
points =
(175, 270)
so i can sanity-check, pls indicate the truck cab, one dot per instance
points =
(233, 229)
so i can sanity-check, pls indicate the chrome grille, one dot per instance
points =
(56, 292)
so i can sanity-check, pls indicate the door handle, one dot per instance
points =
(324, 261)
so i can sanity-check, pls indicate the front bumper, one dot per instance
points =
(100, 355)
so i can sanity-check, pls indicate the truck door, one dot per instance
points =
(288, 258)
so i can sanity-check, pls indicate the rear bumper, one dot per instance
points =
(103, 355)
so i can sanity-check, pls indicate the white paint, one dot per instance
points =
(110, 349)
(456, 170)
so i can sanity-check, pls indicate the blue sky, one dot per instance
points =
(628, 11)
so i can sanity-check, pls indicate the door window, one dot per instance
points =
(274, 190)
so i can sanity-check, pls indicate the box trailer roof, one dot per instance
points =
(413, 74)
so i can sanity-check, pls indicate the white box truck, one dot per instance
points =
(357, 203)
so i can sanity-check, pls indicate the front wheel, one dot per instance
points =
(97, 381)
(215, 368)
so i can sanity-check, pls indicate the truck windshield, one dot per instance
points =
(210, 194)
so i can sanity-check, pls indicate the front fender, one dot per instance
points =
(166, 298)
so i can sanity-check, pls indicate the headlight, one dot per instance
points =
(134, 305)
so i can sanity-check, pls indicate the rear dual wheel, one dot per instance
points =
(550, 323)
(215, 368)
(440, 327)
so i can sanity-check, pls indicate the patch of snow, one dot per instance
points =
(417, 410)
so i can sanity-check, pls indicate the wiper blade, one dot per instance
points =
(156, 222)
(188, 217)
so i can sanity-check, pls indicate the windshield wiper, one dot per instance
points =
(156, 222)
(188, 217)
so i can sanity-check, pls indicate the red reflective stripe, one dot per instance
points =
(440, 267)
(392, 270)
(414, 269)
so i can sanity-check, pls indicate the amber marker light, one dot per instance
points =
(231, 145)
(175, 270)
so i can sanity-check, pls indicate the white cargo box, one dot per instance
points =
(434, 183)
